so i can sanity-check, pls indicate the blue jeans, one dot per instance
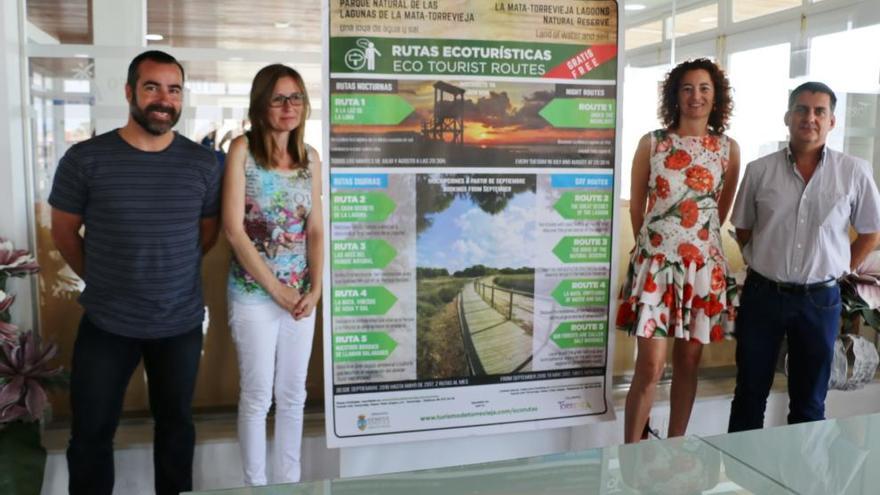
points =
(102, 367)
(810, 319)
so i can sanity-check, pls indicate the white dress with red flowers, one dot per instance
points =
(678, 282)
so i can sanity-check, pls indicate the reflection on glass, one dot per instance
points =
(643, 34)
(817, 458)
(277, 25)
(674, 467)
(748, 9)
(695, 21)
(853, 77)
(760, 102)
(61, 96)
(52, 22)
(70, 99)
(679, 466)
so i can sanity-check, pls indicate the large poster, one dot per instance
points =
(470, 184)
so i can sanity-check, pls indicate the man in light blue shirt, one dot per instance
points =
(792, 217)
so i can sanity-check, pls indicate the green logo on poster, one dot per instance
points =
(363, 55)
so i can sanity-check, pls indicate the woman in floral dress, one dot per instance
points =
(678, 284)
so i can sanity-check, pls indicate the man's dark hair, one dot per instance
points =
(154, 55)
(812, 87)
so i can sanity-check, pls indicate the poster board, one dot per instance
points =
(470, 196)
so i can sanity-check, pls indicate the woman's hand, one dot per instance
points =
(286, 297)
(306, 305)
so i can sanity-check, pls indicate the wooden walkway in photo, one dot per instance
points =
(494, 344)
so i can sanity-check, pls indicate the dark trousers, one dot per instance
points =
(102, 367)
(810, 319)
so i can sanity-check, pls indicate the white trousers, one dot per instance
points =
(273, 353)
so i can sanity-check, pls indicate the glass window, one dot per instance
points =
(854, 79)
(643, 34)
(277, 26)
(748, 9)
(695, 21)
(760, 82)
(52, 22)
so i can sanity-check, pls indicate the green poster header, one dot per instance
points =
(460, 57)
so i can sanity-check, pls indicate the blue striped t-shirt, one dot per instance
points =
(141, 212)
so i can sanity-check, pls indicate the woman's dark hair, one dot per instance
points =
(260, 144)
(669, 113)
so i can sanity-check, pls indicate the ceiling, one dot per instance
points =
(220, 24)
(228, 24)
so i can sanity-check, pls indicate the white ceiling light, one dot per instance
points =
(282, 25)
(154, 37)
(633, 7)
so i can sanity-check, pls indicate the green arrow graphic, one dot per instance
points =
(360, 206)
(581, 113)
(361, 254)
(585, 205)
(584, 249)
(362, 346)
(574, 334)
(368, 109)
(582, 292)
(362, 300)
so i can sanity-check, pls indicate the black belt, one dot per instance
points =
(792, 288)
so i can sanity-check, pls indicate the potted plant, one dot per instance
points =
(24, 374)
(860, 295)
(856, 358)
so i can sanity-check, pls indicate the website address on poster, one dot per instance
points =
(475, 414)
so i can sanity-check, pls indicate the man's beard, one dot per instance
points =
(154, 127)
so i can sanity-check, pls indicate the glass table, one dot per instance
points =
(825, 457)
(835, 456)
(820, 460)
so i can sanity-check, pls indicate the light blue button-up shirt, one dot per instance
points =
(800, 231)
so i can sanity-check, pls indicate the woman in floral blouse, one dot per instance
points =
(272, 217)
(678, 283)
